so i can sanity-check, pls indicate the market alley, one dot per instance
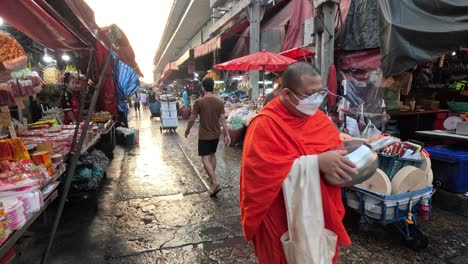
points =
(154, 208)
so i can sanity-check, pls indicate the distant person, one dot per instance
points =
(352, 127)
(136, 105)
(185, 96)
(144, 100)
(152, 97)
(69, 100)
(271, 96)
(211, 112)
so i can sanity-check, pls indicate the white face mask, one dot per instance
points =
(311, 104)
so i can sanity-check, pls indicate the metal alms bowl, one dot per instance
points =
(364, 157)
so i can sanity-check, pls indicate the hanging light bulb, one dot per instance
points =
(1, 21)
(47, 58)
(65, 57)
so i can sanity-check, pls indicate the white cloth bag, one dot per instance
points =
(306, 241)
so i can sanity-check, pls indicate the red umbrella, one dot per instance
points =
(260, 61)
(298, 53)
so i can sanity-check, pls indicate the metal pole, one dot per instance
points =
(75, 158)
(318, 45)
(254, 43)
(328, 40)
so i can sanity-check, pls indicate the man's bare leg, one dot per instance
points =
(210, 171)
(213, 161)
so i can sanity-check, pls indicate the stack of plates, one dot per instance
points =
(14, 210)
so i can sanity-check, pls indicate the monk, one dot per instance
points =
(289, 127)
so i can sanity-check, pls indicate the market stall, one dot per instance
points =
(393, 81)
(39, 153)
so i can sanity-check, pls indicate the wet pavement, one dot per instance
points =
(155, 208)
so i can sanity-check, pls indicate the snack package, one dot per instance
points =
(5, 151)
(18, 149)
(12, 55)
(42, 157)
(6, 96)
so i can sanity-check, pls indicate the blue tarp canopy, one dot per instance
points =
(126, 82)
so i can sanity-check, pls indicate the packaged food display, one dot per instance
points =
(6, 96)
(12, 55)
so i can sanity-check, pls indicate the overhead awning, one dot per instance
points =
(166, 74)
(86, 16)
(280, 19)
(365, 59)
(415, 31)
(37, 24)
(182, 59)
(208, 47)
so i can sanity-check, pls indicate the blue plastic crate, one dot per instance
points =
(450, 167)
(386, 209)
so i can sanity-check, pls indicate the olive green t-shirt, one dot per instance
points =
(210, 109)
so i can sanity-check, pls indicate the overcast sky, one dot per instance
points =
(143, 22)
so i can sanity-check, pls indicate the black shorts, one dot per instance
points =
(207, 147)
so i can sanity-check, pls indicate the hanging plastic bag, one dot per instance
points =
(370, 131)
(343, 104)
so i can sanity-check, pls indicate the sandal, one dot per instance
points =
(215, 191)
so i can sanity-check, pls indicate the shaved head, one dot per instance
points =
(292, 76)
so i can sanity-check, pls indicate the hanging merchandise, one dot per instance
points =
(244, 85)
(51, 75)
(71, 69)
(12, 55)
(366, 88)
(213, 75)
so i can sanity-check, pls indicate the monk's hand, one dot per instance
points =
(335, 167)
(187, 132)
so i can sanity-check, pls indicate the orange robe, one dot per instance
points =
(268, 155)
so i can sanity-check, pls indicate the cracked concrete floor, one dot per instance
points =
(154, 208)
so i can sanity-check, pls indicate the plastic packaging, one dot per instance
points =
(366, 88)
(12, 55)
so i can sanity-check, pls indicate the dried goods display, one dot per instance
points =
(51, 75)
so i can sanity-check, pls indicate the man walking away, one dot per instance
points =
(136, 104)
(144, 100)
(211, 111)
